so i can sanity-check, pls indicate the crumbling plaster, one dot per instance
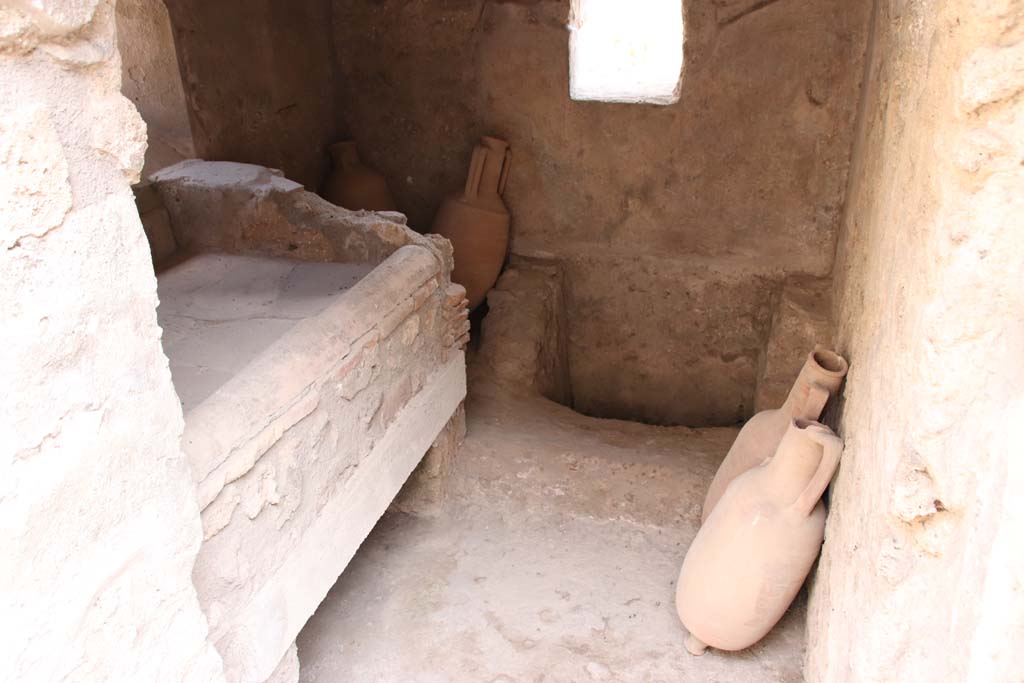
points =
(99, 523)
(922, 570)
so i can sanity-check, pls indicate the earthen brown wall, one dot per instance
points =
(674, 224)
(920, 577)
(259, 82)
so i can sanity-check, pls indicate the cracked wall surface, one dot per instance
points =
(99, 522)
(922, 570)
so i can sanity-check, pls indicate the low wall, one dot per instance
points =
(297, 456)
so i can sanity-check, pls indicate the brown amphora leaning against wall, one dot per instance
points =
(354, 185)
(755, 550)
(477, 222)
(818, 381)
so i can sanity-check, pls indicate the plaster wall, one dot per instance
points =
(99, 522)
(922, 570)
(151, 80)
(259, 82)
(675, 225)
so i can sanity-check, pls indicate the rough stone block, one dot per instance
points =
(427, 487)
(523, 342)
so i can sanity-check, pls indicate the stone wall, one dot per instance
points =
(921, 573)
(259, 82)
(676, 224)
(99, 523)
(150, 79)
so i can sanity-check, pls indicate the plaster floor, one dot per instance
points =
(554, 560)
(219, 312)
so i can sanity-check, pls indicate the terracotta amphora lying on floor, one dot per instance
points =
(750, 558)
(355, 186)
(819, 380)
(477, 222)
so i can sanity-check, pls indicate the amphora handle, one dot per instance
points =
(832, 450)
(506, 167)
(476, 171)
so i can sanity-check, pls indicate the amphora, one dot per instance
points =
(822, 373)
(477, 222)
(753, 553)
(355, 186)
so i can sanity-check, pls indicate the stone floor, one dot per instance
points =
(555, 561)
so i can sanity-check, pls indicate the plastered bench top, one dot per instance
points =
(250, 339)
(219, 312)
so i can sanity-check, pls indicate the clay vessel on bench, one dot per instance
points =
(477, 222)
(355, 186)
(750, 558)
(819, 380)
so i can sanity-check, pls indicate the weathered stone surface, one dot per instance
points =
(98, 517)
(802, 319)
(150, 79)
(920, 577)
(427, 488)
(34, 187)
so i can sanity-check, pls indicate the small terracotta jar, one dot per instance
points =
(477, 222)
(353, 185)
(818, 381)
(750, 558)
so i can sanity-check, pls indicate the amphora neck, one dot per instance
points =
(820, 377)
(488, 169)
